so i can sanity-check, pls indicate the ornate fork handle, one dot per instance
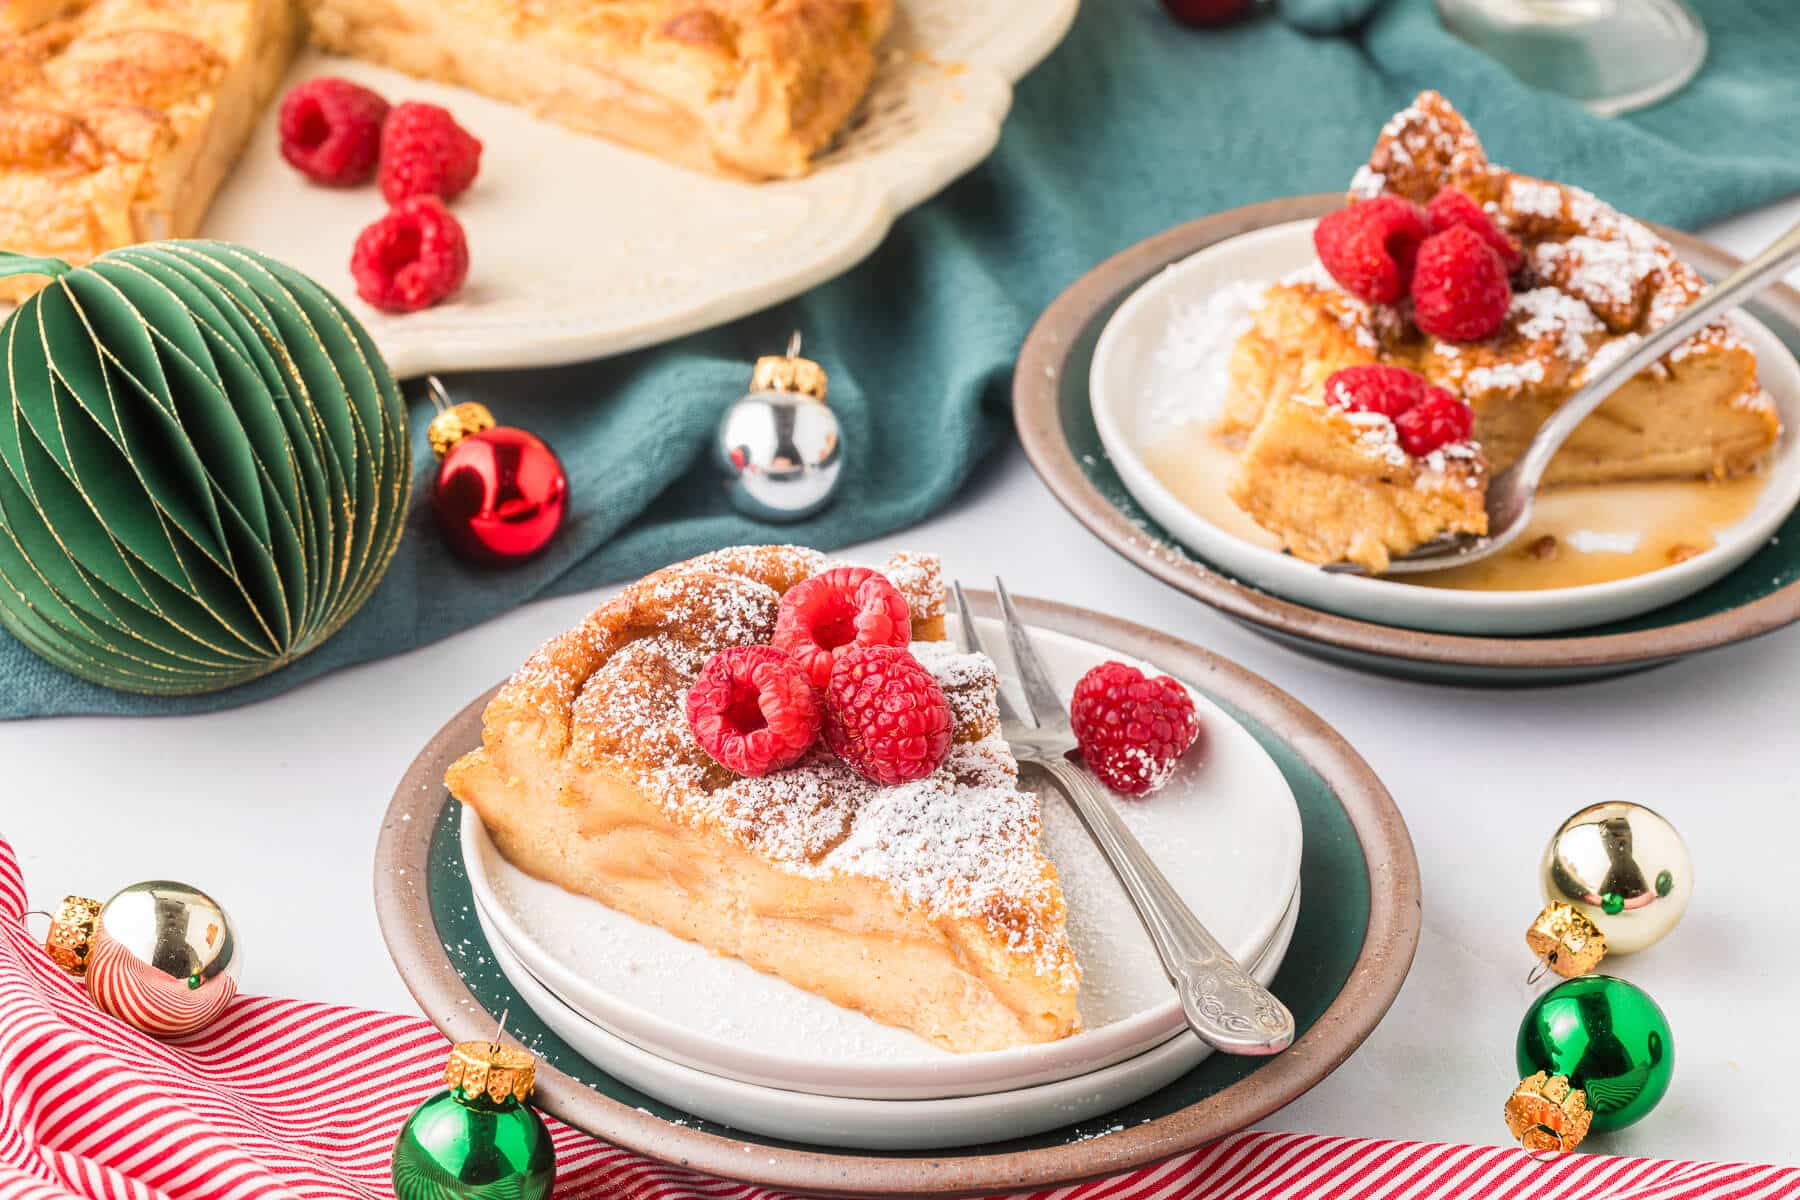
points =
(1225, 1006)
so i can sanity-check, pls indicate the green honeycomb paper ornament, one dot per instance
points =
(204, 466)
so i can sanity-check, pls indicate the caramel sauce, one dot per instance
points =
(1590, 533)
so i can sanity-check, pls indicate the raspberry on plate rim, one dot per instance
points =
(1132, 728)
(752, 708)
(823, 617)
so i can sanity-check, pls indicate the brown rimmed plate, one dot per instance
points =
(1055, 423)
(1351, 951)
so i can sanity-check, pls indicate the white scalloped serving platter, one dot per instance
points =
(580, 248)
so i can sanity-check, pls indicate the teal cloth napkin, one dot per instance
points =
(1133, 125)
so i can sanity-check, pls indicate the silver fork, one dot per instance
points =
(1224, 1005)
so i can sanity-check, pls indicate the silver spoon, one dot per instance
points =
(1510, 494)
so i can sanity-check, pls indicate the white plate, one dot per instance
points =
(1138, 390)
(581, 248)
(871, 1124)
(1226, 830)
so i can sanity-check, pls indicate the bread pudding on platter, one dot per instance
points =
(119, 119)
(898, 876)
(1462, 283)
(752, 88)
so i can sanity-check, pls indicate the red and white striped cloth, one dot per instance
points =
(254, 1107)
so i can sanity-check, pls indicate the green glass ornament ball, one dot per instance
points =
(471, 1148)
(204, 467)
(1610, 1039)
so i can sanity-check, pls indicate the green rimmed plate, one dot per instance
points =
(1351, 950)
(1055, 423)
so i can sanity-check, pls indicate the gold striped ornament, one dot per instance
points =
(161, 956)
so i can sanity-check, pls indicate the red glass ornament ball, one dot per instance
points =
(1207, 13)
(500, 496)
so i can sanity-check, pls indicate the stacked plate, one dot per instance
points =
(716, 1038)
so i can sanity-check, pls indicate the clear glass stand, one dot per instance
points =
(1612, 55)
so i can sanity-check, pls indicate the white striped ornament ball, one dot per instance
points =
(164, 958)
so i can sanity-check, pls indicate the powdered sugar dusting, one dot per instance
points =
(1546, 312)
(970, 683)
(1377, 437)
(1534, 197)
(1197, 350)
(1367, 183)
(1503, 376)
(1609, 274)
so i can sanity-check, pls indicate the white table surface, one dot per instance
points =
(274, 809)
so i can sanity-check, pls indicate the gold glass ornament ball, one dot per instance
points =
(1623, 867)
(164, 958)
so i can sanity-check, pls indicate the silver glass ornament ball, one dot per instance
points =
(779, 445)
(164, 958)
(1625, 867)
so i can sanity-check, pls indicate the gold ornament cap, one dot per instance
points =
(1565, 940)
(490, 1069)
(453, 422)
(789, 373)
(1545, 1114)
(71, 933)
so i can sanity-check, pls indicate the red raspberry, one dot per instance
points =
(1460, 292)
(1389, 391)
(331, 130)
(1437, 420)
(753, 709)
(425, 152)
(822, 617)
(885, 715)
(1452, 207)
(1369, 247)
(410, 259)
(1132, 729)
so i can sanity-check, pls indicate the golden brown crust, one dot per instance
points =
(746, 87)
(587, 747)
(119, 118)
